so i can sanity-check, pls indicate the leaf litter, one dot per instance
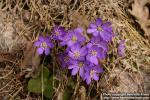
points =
(21, 22)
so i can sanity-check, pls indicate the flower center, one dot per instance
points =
(44, 45)
(92, 73)
(57, 33)
(93, 52)
(99, 28)
(77, 54)
(74, 38)
(95, 43)
(80, 64)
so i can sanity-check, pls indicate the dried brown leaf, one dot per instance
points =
(82, 92)
(31, 60)
(80, 21)
(141, 12)
(126, 81)
(6, 57)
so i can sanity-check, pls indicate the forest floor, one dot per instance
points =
(21, 21)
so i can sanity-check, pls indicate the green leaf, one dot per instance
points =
(35, 84)
(71, 83)
(48, 92)
(66, 94)
(45, 72)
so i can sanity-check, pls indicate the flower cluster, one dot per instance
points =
(81, 56)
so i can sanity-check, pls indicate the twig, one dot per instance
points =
(12, 98)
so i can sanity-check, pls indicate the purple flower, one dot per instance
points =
(78, 66)
(121, 48)
(97, 41)
(75, 36)
(64, 39)
(101, 29)
(77, 53)
(58, 32)
(64, 59)
(94, 54)
(92, 73)
(44, 44)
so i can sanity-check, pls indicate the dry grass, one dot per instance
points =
(23, 20)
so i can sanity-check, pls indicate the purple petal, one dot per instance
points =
(71, 54)
(89, 45)
(96, 48)
(107, 28)
(68, 49)
(87, 74)
(63, 43)
(94, 60)
(81, 72)
(99, 69)
(83, 51)
(107, 24)
(79, 30)
(121, 53)
(70, 43)
(96, 33)
(74, 71)
(37, 43)
(75, 47)
(78, 35)
(40, 50)
(106, 36)
(51, 45)
(91, 30)
(74, 62)
(81, 58)
(41, 38)
(104, 45)
(82, 39)
(47, 51)
(72, 67)
(92, 25)
(95, 77)
(102, 55)
(121, 48)
(88, 57)
(99, 21)
(88, 80)
(47, 39)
